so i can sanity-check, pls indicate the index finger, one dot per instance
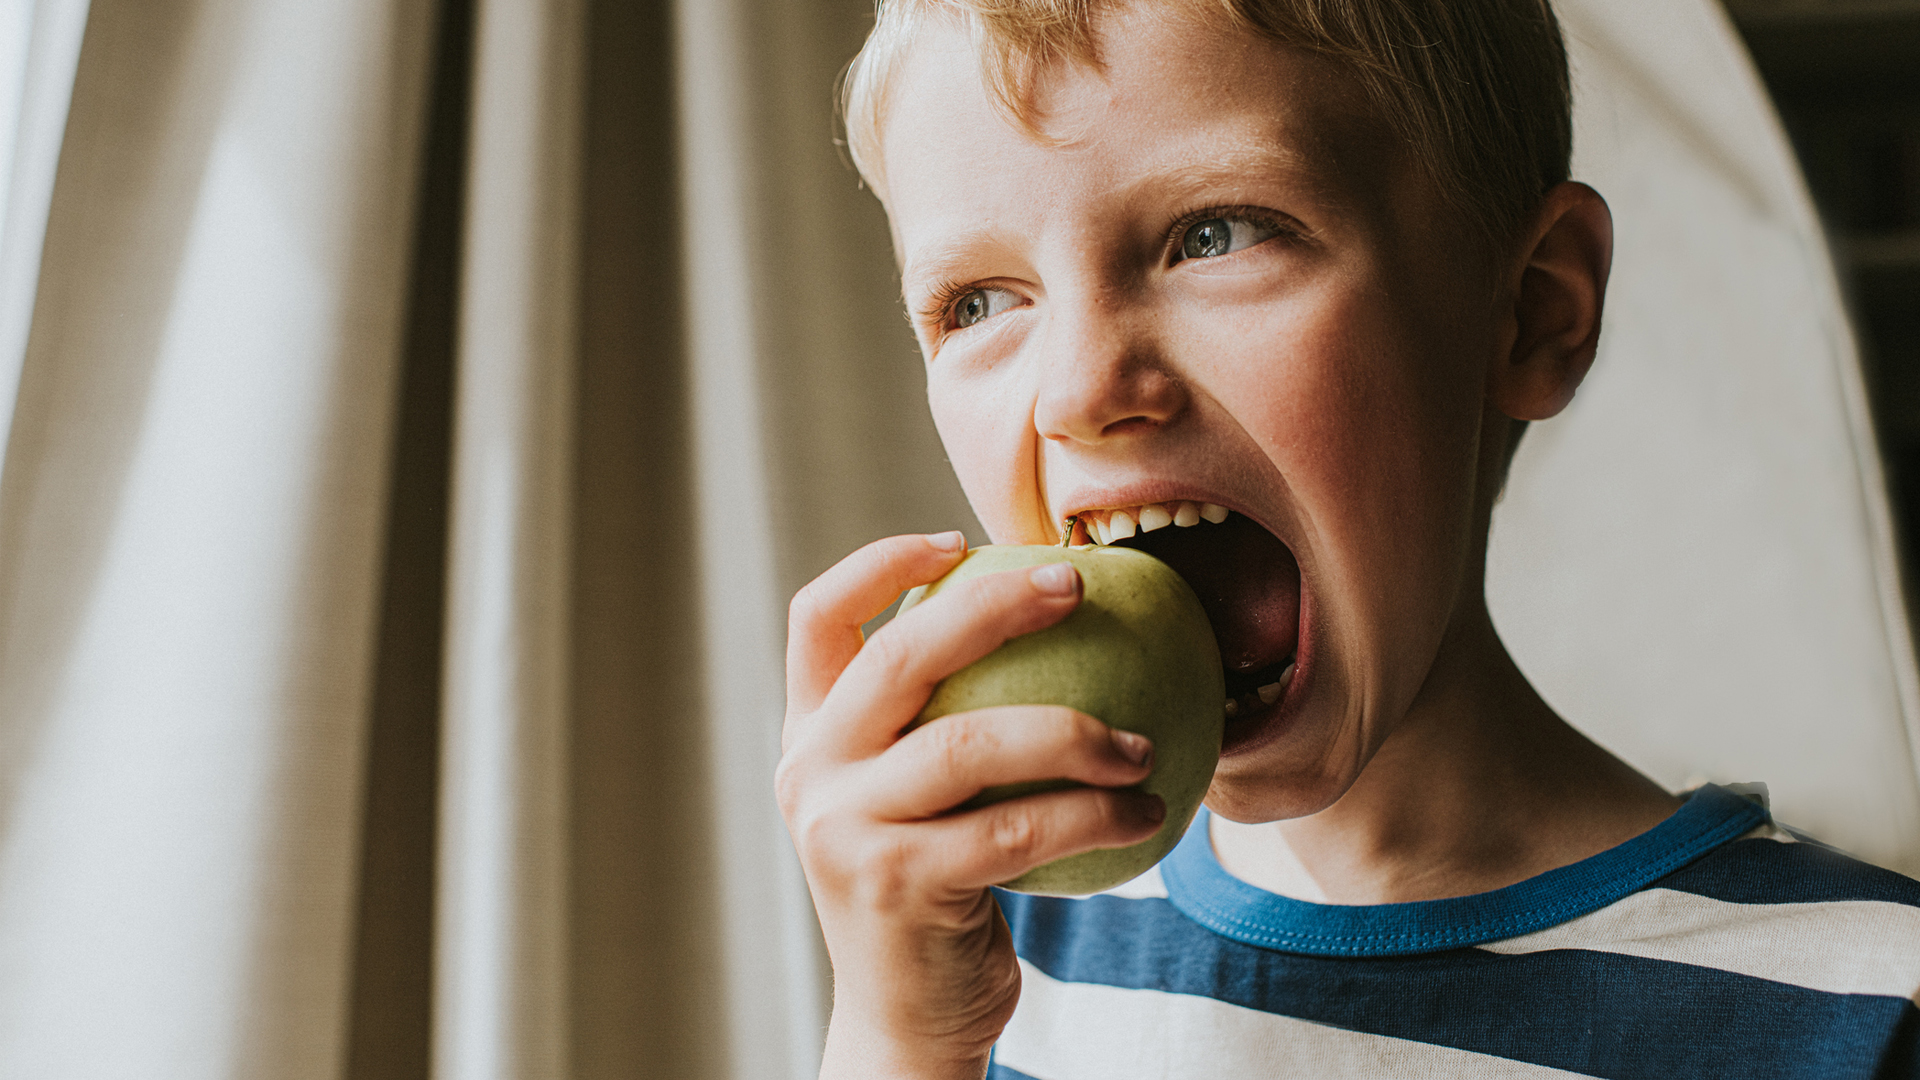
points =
(824, 620)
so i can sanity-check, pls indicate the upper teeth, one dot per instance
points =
(1106, 526)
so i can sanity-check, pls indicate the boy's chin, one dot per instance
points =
(1289, 761)
(1256, 796)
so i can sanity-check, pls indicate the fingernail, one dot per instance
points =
(1056, 579)
(1135, 748)
(1152, 809)
(949, 541)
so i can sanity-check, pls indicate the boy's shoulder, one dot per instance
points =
(1805, 919)
(1774, 865)
(1780, 867)
(1759, 949)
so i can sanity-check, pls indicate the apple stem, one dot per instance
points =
(1067, 527)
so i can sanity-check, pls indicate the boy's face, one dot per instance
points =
(1217, 281)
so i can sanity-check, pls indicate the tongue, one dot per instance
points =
(1247, 581)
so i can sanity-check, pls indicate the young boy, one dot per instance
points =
(1269, 288)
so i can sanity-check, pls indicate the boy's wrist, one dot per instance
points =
(871, 1055)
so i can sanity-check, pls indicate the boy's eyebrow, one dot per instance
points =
(1229, 164)
(1185, 179)
(1189, 178)
(945, 260)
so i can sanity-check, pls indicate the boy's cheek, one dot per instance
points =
(988, 439)
(1378, 441)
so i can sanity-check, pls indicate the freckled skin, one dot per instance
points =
(1324, 384)
(1338, 383)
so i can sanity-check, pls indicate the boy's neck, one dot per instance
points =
(1481, 786)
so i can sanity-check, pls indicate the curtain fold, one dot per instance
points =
(39, 51)
(501, 920)
(189, 531)
(770, 969)
(644, 959)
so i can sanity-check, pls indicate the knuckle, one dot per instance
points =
(823, 840)
(845, 853)
(1016, 833)
(803, 611)
(1089, 728)
(787, 786)
(807, 831)
(1075, 729)
(1073, 737)
(807, 825)
(887, 656)
(957, 743)
(989, 596)
(881, 871)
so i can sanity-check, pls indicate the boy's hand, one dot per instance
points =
(924, 969)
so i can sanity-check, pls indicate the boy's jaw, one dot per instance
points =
(1249, 583)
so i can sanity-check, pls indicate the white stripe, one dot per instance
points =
(1840, 947)
(1085, 1031)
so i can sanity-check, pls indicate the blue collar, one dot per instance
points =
(1207, 894)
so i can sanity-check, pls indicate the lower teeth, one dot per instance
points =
(1265, 695)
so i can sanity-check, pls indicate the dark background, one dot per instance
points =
(1846, 77)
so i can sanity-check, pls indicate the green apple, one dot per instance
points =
(1138, 654)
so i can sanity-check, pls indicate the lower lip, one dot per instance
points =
(1249, 733)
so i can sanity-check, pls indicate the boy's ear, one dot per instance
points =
(1558, 290)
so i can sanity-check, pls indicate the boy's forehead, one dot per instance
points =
(1179, 106)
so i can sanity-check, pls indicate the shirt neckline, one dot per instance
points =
(1203, 891)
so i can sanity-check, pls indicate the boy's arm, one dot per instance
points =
(924, 970)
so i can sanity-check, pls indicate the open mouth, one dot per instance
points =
(1248, 581)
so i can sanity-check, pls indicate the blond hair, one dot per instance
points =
(1476, 89)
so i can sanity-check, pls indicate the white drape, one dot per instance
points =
(1696, 563)
(501, 1006)
(772, 973)
(190, 522)
(683, 388)
(39, 48)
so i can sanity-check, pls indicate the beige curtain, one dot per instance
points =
(416, 415)
(207, 235)
(424, 410)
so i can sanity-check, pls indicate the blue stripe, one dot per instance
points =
(1210, 896)
(1902, 1059)
(1597, 1013)
(1001, 1072)
(1769, 872)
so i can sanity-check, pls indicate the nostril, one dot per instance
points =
(1132, 425)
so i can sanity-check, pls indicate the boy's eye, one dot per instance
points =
(980, 305)
(1222, 236)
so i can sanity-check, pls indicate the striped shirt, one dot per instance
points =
(1712, 945)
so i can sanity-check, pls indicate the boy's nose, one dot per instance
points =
(1103, 376)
